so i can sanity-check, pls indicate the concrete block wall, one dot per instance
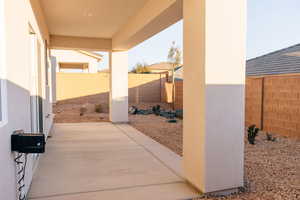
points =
(253, 101)
(145, 87)
(272, 103)
(179, 94)
(280, 103)
(93, 88)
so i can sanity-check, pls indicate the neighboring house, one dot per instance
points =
(273, 91)
(285, 61)
(161, 67)
(77, 61)
(179, 73)
(166, 68)
(104, 71)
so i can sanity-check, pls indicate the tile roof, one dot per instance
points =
(284, 61)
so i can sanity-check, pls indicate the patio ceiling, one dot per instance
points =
(88, 18)
(104, 24)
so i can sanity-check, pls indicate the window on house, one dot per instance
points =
(73, 67)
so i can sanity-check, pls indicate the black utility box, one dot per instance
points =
(28, 142)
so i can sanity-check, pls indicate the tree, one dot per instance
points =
(175, 58)
(175, 55)
(141, 68)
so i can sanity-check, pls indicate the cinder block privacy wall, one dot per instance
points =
(84, 86)
(273, 103)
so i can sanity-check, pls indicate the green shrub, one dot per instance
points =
(270, 137)
(252, 133)
(141, 68)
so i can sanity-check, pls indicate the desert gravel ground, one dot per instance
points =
(272, 169)
(156, 127)
(70, 113)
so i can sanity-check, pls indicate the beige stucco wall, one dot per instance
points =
(141, 87)
(214, 93)
(16, 72)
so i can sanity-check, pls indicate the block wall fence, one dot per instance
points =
(273, 104)
(79, 86)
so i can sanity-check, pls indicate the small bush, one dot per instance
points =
(252, 133)
(98, 108)
(141, 68)
(270, 137)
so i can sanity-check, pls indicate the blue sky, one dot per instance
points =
(272, 25)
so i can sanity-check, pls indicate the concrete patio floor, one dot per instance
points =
(95, 161)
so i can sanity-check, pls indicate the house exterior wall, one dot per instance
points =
(141, 87)
(70, 56)
(15, 17)
(278, 111)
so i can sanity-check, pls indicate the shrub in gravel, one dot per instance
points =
(252, 133)
(270, 137)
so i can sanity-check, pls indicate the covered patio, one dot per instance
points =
(107, 161)
(90, 158)
(214, 63)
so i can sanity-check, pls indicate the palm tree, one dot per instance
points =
(175, 58)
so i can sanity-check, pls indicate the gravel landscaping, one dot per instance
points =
(272, 169)
(70, 113)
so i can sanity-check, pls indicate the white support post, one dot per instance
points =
(118, 110)
(214, 80)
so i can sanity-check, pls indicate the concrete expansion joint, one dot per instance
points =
(103, 190)
(150, 152)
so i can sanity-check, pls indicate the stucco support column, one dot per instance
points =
(214, 79)
(118, 102)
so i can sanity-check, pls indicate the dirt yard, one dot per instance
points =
(70, 113)
(272, 169)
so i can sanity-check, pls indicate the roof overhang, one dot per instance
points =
(104, 25)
